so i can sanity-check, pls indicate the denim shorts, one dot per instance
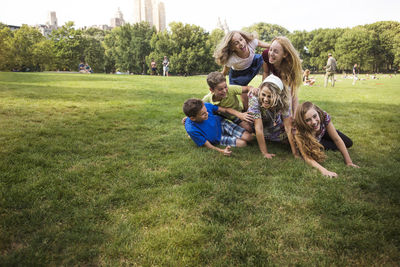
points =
(230, 132)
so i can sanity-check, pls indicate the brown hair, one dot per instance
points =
(192, 106)
(306, 142)
(214, 78)
(279, 98)
(224, 51)
(290, 68)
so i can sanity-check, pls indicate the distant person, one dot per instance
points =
(314, 132)
(210, 130)
(81, 67)
(88, 69)
(307, 80)
(355, 77)
(222, 96)
(282, 60)
(330, 69)
(237, 54)
(153, 66)
(165, 66)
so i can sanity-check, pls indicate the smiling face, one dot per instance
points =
(312, 119)
(276, 54)
(238, 44)
(265, 97)
(220, 91)
(202, 115)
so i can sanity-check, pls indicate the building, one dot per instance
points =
(51, 24)
(151, 11)
(118, 20)
(222, 26)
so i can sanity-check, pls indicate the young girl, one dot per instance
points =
(307, 80)
(236, 53)
(283, 60)
(271, 113)
(315, 132)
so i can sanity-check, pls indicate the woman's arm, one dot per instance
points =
(260, 139)
(316, 165)
(287, 122)
(340, 144)
(265, 71)
(295, 103)
(263, 44)
(225, 70)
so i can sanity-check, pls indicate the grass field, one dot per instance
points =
(97, 170)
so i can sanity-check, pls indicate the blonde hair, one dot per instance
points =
(290, 68)
(279, 98)
(224, 51)
(306, 142)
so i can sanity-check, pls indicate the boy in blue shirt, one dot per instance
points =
(209, 130)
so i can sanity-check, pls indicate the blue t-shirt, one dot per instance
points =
(208, 130)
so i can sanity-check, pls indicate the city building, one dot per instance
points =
(51, 24)
(118, 20)
(152, 11)
(222, 26)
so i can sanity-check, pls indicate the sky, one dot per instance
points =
(291, 14)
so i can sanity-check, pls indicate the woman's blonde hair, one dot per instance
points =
(306, 142)
(224, 51)
(279, 98)
(290, 68)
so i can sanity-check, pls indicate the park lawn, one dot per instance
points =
(97, 170)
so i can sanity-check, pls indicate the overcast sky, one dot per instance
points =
(293, 15)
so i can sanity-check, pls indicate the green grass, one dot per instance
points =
(97, 170)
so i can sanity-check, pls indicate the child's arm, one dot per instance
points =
(227, 151)
(244, 116)
(263, 44)
(295, 103)
(265, 71)
(225, 70)
(260, 139)
(316, 165)
(287, 122)
(340, 144)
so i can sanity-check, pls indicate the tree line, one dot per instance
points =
(130, 48)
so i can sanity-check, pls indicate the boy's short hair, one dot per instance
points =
(192, 106)
(215, 78)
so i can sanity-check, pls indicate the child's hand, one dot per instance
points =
(184, 120)
(227, 151)
(245, 116)
(253, 91)
(268, 156)
(329, 173)
(352, 165)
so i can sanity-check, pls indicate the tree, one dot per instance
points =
(69, 46)
(187, 47)
(6, 56)
(43, 55)
(23, 44)
(127, 47)
(300, 41)
(266, 32)
(323, 42)
(355, 46)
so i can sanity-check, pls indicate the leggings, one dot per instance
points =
(328, 143)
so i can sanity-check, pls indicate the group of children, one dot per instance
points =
(230, 117)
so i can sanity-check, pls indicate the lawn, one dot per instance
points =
(97, 170)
